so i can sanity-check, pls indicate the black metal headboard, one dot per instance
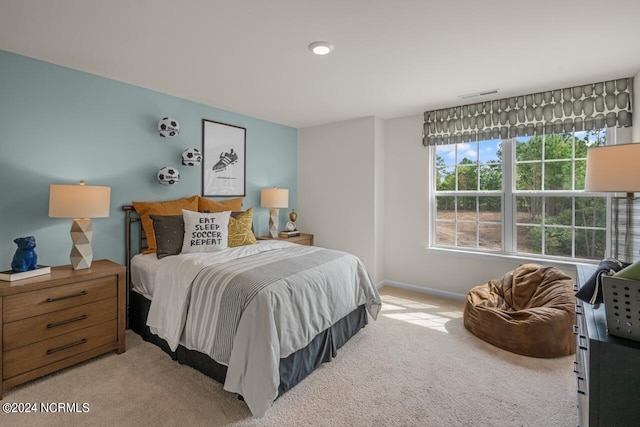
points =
(135, 240)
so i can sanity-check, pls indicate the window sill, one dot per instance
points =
(518, 259)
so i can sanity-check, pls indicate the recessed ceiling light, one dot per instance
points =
(321, 48)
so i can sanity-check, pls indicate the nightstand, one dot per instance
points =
(302, 239)
(57, 320)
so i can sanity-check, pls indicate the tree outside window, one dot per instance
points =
(551, 213)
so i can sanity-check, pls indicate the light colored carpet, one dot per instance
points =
(416, 366)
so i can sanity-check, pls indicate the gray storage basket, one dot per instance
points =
(622, 306)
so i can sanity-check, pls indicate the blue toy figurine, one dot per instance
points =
(25, 257)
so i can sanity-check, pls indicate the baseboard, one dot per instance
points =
(421, 289)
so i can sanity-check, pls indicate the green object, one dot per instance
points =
(631, 272)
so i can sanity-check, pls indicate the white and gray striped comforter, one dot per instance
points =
(248, 307)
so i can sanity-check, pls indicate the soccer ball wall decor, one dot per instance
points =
(168, 127)
(191, 157)
(168, 175)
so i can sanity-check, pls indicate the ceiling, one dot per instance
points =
(392, 58)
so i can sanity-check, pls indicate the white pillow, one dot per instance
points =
(205, 232)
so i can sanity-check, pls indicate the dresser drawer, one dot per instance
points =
(29, 304)
(38, 328)
(42, 353)
(582, 342)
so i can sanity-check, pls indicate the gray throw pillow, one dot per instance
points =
(169, 233)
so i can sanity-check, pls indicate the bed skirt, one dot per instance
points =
(293, 368)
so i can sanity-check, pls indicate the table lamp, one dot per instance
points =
(616, 168)
(80, 202)
(274, 198)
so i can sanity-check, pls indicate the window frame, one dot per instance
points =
(509, 251)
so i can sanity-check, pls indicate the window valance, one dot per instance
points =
(586, 107)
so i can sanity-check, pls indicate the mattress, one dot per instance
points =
(145, 267)
(144, 271)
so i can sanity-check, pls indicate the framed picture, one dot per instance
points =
(223, 159)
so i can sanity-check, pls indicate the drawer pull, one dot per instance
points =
(582, 342)
(578, 385)
(79, 294)
(575, 329)
(575, 367)
(64, 322)
(64, 347)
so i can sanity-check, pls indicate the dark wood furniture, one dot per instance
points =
(57, 320)
(302, 239)
(607, 367)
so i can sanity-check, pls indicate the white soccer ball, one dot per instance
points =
(168, 175)
(191, 157)
(168, 127)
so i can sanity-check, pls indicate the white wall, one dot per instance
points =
(380, 197)
(406, 261)
(338, 172)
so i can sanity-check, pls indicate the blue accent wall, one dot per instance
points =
(60, 126)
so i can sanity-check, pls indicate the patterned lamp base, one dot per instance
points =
(81, 235)
(273, 221)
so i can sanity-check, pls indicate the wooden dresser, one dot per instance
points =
(607, 367)
(57, 320)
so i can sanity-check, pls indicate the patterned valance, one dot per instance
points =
(586, 107)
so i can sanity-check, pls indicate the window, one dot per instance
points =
(520, 196)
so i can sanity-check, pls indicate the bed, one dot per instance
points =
(258, 318)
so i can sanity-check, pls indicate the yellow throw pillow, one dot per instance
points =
(240, 233)
(169, 207)
(206, 205)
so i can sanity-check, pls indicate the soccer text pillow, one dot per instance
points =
(205, 232)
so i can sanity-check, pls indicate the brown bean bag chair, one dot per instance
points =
(530, 311)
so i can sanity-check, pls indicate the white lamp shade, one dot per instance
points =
(274, 198)
(79, 201)
(613, 168)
